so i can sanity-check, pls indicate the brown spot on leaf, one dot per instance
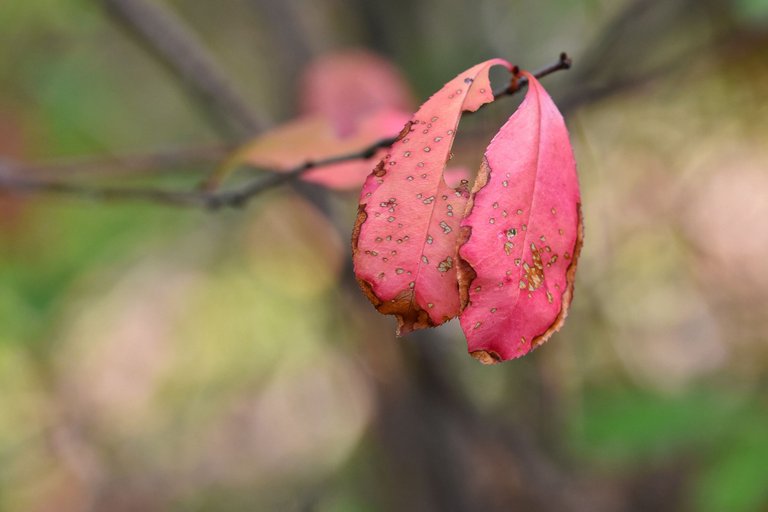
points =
(379, 171)
(534, 275)
(569, 279)
(464, 271)
(405, 131)
(362, 216)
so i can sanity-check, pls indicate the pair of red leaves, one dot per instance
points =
(502, 256)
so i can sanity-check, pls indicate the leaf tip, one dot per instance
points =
(486, 357)
(409, 317)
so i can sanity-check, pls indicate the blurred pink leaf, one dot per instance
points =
(350, 86)
(314, 138)
(521, 236)
(350, 101)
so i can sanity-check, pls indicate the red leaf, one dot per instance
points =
(404, 241)
(521, 236)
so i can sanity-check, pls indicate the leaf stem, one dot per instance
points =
(518, 82)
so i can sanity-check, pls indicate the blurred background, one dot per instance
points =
(155, 358)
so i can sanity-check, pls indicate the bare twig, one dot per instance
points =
(98, 193)
(517, 83)
(242, 195)
(186, 55)
(12, 182)
(163, 161)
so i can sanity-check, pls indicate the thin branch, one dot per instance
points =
(163, 161)
(170, 40)
(517, 83)
(239, 197)
(10, 181)
(98, 193)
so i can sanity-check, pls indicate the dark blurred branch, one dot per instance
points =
(97, 193)
(288, 39)
(171, 41)
(163, 161)
(12, 181)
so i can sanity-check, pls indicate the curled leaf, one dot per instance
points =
(404, 241)
(521, 235)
